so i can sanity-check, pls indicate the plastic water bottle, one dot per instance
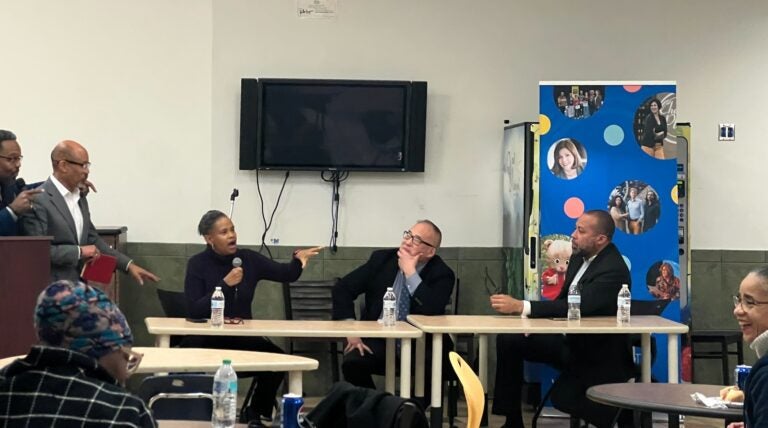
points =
(217, 308)
(389, 314)
(574, 303)
(623, 305)
(224, 396)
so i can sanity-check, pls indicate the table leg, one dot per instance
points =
(645, 342)
(673, 420)
(421, 345)
(294, 383)
(405, 368)
(672, 350)
(163, 341)
(436, 413)
(482, 368)
(389, 384)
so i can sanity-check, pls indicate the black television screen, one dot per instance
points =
(304, 124)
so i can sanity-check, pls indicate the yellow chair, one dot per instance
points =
(473, 389)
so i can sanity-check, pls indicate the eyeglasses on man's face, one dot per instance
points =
(408, 236)
(84, 165)
(747, 303)
(133, 359)
(13, 159)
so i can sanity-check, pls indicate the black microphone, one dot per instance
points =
(237, 262)
(20, 184)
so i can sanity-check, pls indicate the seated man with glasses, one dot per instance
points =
(61, 211)
(14, 201)
(75, 376)
(422, 283)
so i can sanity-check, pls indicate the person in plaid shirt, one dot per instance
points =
(75, 375)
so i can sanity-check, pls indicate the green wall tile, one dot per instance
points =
(480, 253)
(706, 255)
(142, 249)
(739, 256)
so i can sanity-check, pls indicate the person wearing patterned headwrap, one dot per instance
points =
(74, 376)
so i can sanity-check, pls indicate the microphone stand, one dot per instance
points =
(235, 194)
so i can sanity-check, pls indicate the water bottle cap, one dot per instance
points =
(390, 288)
(229, 362)
(218, 288)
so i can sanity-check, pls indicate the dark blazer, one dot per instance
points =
(378, 273)
(756, 395)
(51, 217)
(8, 193)
(600, 287)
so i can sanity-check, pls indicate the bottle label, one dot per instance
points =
(233, 387)
(574, 299)
(622, 302)
(389, 304)
(217, 304)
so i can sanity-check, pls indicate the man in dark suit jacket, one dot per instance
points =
(13, 201)
(416, 273)
(61, 211)
(598, 268)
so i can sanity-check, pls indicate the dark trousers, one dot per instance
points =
(511, 351)
(358, 370)
(267, 383)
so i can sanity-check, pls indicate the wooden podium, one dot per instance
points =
(25, 269)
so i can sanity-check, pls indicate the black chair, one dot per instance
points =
(179, 396)
(312, 300)
(724, 338)
(174, 305)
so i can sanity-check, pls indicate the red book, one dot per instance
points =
(99, 269)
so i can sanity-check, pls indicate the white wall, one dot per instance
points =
(158, 106)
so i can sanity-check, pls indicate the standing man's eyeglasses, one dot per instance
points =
(13, 159)
(407, 235)
(85, 165)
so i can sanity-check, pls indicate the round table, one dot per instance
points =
(671, 398)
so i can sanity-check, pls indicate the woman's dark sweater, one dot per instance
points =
(206, 271)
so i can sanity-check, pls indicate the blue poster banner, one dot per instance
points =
(612, 146)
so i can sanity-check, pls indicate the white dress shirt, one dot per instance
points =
(72, 199)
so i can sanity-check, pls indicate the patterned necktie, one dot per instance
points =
(403, 297)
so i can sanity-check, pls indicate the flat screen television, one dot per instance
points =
(345, 125)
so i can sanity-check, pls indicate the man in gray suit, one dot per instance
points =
(61, 211)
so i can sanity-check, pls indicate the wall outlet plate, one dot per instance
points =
(726, 132)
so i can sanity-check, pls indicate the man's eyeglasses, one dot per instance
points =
(407, 235)
(85, 165)
(746, 304)
(13, 159)
(133, 359)
(235, 320)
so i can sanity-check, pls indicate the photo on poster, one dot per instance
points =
(556, 253)
(567, 158)
(579, 101)
(655, 121)
(634, 207)
(663, 280)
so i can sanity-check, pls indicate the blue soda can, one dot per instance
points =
(740, 375)
(289, 417)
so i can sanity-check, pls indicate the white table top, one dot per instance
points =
(283, 328)
(515, 324)
(208, 360)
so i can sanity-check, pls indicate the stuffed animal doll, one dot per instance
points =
(557, 253)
